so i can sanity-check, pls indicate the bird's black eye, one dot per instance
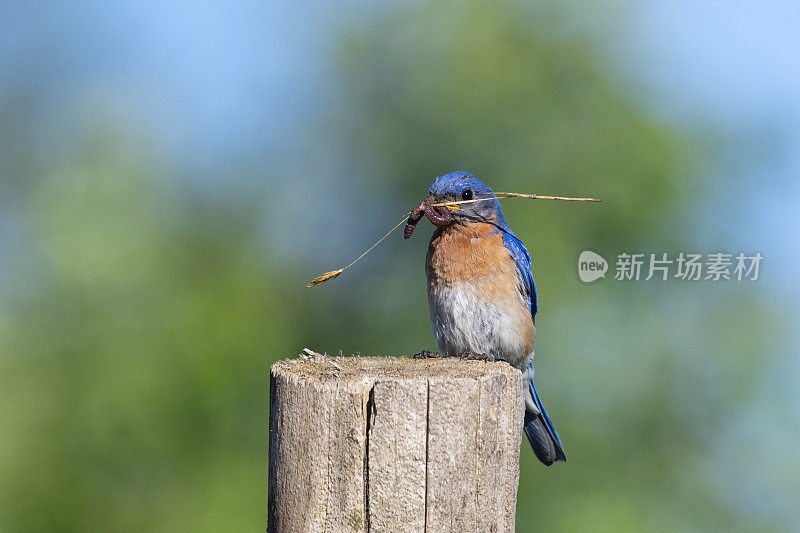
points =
(466, 194)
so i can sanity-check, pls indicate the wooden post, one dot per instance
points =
(363, 444)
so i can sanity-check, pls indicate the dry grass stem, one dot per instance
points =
(327, 276)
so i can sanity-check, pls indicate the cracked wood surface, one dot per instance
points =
(393, 444)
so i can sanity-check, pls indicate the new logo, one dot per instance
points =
(591, 266)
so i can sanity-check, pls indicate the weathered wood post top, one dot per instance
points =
(393, 444)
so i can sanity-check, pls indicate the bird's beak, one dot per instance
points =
(437, 200)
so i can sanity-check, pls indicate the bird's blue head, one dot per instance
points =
(460, 185)
(455, 183)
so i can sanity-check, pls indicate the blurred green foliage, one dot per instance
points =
(138, 323)
(134, 367)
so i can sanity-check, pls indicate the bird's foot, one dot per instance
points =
(426, 354)
(472, 356)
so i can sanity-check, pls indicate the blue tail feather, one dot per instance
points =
(540, 431)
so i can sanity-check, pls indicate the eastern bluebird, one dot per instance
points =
(482, 296)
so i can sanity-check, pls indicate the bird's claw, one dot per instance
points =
(425, 354)
(472, 356)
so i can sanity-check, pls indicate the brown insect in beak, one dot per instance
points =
(438, 215)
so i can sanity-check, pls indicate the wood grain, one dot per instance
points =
(363, 444)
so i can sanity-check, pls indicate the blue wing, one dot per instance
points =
(523, 260)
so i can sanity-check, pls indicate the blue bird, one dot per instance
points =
(481, 293)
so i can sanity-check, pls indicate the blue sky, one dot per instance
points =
(734, 65)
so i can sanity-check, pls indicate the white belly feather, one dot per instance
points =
(462, 321)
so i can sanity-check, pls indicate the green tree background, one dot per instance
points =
(141, 309)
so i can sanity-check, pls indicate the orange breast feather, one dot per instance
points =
(469, 253)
